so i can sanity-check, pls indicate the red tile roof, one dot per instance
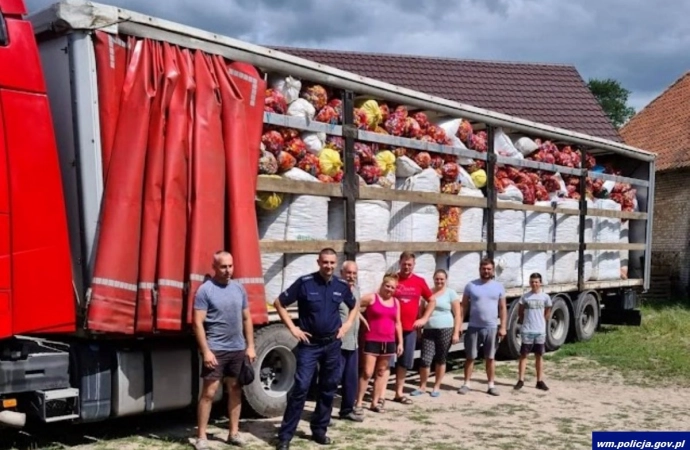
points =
(552, 94)
(663, 126)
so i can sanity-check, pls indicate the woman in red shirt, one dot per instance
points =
(382, 339)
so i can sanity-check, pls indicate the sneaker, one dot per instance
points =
(542, 386)
(235, 440)
(201, 444)
(493, 391)
(353, 417)
(464, 390)
(519, 385)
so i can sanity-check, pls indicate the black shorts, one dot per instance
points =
(379, 348)
(229, 365)
(533, 343)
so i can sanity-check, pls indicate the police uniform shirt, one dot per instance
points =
(318, 303)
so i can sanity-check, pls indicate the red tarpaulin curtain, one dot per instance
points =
(180, 138)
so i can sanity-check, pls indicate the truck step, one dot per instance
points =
(57, 405)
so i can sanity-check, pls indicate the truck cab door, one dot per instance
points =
(36, 294)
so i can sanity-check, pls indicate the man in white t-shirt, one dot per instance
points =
(533, 313)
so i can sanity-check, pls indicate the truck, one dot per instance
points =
(132, 148)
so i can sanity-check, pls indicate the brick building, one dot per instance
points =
(663, 127)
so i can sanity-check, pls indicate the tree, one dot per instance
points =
(613, 98)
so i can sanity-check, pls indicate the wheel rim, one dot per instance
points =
(277, 371)
(557, 324)
(587, 319)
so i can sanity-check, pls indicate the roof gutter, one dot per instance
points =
(84, 15)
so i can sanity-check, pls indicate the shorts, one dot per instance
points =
(406, 360)
(379, 348)
(533, 343)
(229, 365)
(435, 345)
(481, 337)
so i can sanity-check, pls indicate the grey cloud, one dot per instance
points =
(642, 44)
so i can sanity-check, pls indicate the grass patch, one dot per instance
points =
(656, 351)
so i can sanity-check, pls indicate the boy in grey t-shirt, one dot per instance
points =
(534, 309)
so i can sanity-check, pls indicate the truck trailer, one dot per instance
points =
(132, 148)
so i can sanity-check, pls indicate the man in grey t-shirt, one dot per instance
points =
(486, 300)
(533, 310)
(349, 358)
(225, 335)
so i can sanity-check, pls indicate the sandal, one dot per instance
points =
(378, 408)
(404, 400)
(416, 393)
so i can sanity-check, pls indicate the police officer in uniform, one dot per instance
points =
(318, 298)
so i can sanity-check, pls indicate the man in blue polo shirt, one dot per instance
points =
(318, 296)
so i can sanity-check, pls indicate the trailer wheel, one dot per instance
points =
(587, 315)
(558, 325)
(275, 368)
(510, 346)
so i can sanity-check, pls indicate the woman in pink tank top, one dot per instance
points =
(382, 339)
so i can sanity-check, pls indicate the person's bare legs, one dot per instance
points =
(469, 368)
(522, 367)
(234, 406)
(208, 391)
(368, 362)
(490, 370)
(380, 380)
(400, 373)
(539, 365)
(423, 378)
(438, 376)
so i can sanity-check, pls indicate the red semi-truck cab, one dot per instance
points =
(36, 291)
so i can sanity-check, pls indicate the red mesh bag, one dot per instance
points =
(310, 164)
(316, 95)
(297, 148)
(361, 119)
(370, 173)
(365, 153)
(436, 162)
(285, 162)
(412, 128)
(327, 114)
(289, 134)
(423, 159)
(450, 171)
(275, 102)
(268, 164)
(273, 141)
(422, 119)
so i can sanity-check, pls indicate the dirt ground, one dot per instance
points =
(583, 398)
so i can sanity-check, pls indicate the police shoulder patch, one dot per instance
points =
(341, 281)
(307, 277)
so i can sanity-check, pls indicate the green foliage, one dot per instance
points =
(613, 98)
(657, 350)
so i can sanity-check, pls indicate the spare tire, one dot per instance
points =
(558, 324)
(275, 368)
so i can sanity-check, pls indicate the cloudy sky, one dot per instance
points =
(645, 45)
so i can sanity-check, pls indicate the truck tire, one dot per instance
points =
(587, 316)
(275, 367)
(558, 325)
(510, 346)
